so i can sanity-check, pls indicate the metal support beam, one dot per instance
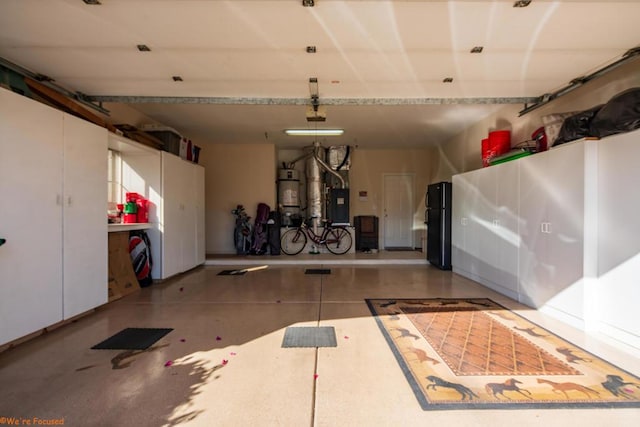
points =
(79, 97)
(579, 81)
(306, 101)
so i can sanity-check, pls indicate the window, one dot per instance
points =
(114, 180)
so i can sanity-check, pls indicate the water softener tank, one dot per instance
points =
(288, 194)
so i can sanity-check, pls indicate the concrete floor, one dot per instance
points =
(357, 383)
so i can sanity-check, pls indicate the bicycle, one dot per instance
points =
(338, 239)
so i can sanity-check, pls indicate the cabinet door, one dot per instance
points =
(618, 293)
(485, 220)
(30, 216)
(506, 224)
(473, 227)
(566, 231)
(536, 183)
(85, 227)
(172, 215)
(458, 220)
(200, 214)
(552, 209)
(189, 217)
(465, 250)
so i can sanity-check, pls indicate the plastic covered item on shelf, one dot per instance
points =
(577, 126)
(620, 114)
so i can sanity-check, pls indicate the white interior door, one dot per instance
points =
(398, 210)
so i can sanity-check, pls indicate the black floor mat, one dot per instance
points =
(133, 339)
(231, 273)
(317, 271)
(305, 336)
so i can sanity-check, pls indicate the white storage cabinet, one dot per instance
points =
(53, 170)
(183, 215)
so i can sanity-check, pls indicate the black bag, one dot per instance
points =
(259, 245)
(577, 126)
(621, 114)
(273, 232)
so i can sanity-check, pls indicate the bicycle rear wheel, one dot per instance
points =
(339, 240)
(293, 241)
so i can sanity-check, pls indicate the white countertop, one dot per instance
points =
(129, 227)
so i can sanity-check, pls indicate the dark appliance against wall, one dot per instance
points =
(366, 232)
(338, 205)
(438, 220)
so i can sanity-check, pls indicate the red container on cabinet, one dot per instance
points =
(132, 197)
(143, 210)
(486, 152)
(500, 142)
(130, 218)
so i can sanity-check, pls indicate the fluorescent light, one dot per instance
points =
(314, 132)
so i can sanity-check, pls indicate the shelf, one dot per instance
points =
(129, 227)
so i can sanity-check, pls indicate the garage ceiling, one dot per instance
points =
(380, 64)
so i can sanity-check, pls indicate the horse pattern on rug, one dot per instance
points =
(475, 353)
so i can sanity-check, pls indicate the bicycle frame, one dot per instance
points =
(337, 240)
(318, 239)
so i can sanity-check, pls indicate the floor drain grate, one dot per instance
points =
(304, 336)
(317, 271)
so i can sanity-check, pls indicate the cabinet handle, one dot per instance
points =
(69, 201)
(549, 228)
(58, 200)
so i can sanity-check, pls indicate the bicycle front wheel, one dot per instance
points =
(339, 241)
(293, 241)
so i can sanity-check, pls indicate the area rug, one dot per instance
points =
(477, 354)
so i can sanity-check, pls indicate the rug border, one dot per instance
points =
(424, 403)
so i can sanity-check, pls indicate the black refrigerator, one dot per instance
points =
(438, 220)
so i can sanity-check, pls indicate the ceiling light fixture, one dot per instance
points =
(311, 49)
(522, 3)
(308, 3)
(477, 49)
(177, 79)
(143, 48)
(447, 80)
(92, 2)
(314, 132)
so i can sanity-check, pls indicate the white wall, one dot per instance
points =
(235, 174)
